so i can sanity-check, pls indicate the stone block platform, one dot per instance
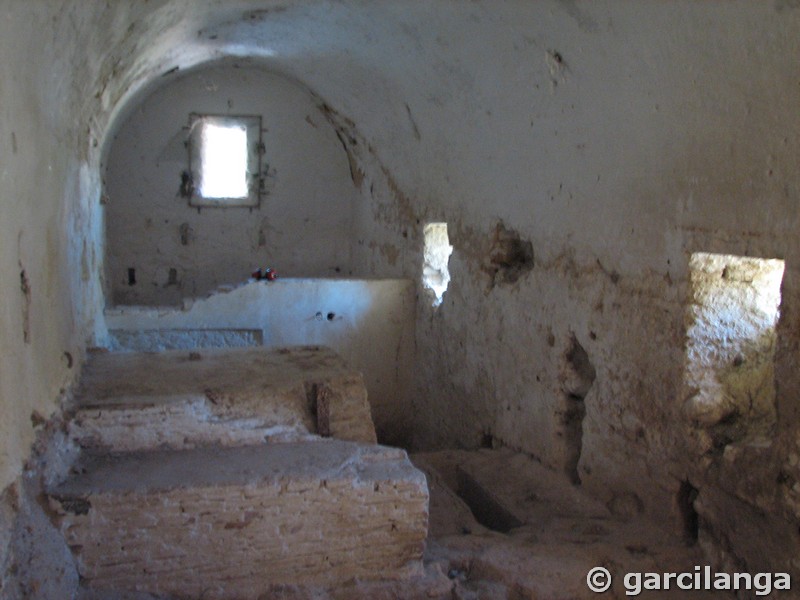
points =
(232, 522)
(227, 397)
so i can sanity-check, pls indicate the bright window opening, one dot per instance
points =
(437, 251)
(224, 157)
(223, 161)
(732, 316)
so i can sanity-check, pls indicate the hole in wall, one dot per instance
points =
(581, 367)
(572, 417)
(221, 155)
(732, 312)
(186, 233)
(690, 520)
(485, 507)
(37, 420)
(436, 256)
(224, 160)
(187, 185)
(131, 276)
(510, 256)
(577, 378)
(25, 288)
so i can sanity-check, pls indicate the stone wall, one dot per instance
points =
(617, 139)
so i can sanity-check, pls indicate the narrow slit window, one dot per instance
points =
(224, 160)
(437, 251)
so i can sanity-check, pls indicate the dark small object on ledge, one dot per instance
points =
(268, 274)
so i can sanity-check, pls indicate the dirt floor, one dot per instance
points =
(527, 532)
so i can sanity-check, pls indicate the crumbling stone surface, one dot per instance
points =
(510, 257)
(35, 562)
(562, 532)
(740, 536)
(231, 523)
(230, 397)
(730, 347)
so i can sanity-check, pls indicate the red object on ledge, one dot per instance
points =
(269, 274)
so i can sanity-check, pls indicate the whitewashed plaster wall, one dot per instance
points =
(62, 80)
(616, 137)
(369, 323)
(50, 243)
(302, 227)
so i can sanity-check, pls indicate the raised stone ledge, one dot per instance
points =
(230, 523)
(229, 397)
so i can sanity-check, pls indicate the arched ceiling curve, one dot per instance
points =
(364, 60)
(555, 108)
(407, 74)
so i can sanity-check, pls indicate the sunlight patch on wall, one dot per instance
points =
(731, 335)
